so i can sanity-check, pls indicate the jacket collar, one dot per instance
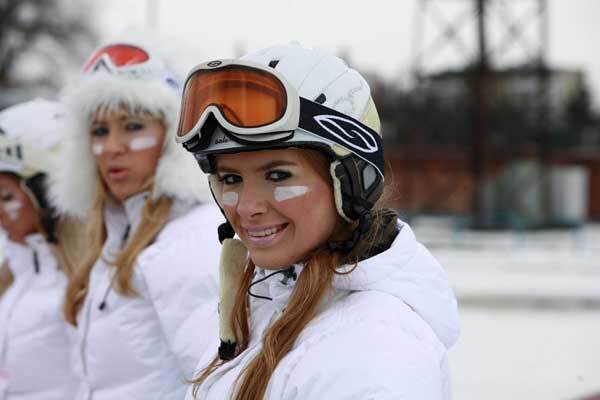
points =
(22, 257)
(406, 271)
(275, 285)
(121, 219)
(133, 207)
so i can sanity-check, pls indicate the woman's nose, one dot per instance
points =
(114, 144)
(252, 202)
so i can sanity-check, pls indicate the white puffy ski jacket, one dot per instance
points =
(383, 334)
(34, 346)
(145, 347)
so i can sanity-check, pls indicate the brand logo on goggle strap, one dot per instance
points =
(348, 132)
(222, 139)
(219, 138)
(214, 63)
(135, 70)
(102, 63)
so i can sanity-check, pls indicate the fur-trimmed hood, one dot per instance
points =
(72, 186)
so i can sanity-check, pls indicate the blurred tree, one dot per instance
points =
(39, 39)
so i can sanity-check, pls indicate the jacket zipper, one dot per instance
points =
(36, 262)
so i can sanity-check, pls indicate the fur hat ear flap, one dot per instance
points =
(73, 182)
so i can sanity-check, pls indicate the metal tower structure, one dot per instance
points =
(479, 33)
(473, 40)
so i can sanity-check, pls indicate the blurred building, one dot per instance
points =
(502, 138)
(540, 153)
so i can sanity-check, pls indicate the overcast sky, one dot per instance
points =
(376, 34)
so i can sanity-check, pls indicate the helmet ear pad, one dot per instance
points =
(356, 186)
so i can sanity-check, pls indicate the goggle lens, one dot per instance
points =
(120, 55)
(246, 97)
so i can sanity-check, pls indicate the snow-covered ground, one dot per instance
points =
(530, 310)
(526, 354)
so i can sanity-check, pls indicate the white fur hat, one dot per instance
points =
(148, 86)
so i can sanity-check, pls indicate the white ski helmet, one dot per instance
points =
(331, 110)
(131, 76)
(31, 135)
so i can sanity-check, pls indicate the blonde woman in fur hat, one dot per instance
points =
(40, 248)
(335, 299)
(138, 300)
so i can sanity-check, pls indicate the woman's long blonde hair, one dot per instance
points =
(154, 217)
(6, 277)
(315, 281)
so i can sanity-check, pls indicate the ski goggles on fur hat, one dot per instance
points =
(128, 59)
(235, 105)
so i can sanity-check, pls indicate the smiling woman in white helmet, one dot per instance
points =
(137, 299)
(34, 346)
(334, 298)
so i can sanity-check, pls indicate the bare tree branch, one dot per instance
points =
(26, 26)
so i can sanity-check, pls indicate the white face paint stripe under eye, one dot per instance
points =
(142, 143)
(97, 149)
(283, 193)
(13, 208)
(229, 199)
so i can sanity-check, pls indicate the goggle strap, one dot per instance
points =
(239, 139)
(343, 130)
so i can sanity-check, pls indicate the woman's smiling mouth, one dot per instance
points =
(264, 236)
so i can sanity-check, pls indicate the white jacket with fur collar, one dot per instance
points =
(383, 334)
(34, 346)
(145, 347)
